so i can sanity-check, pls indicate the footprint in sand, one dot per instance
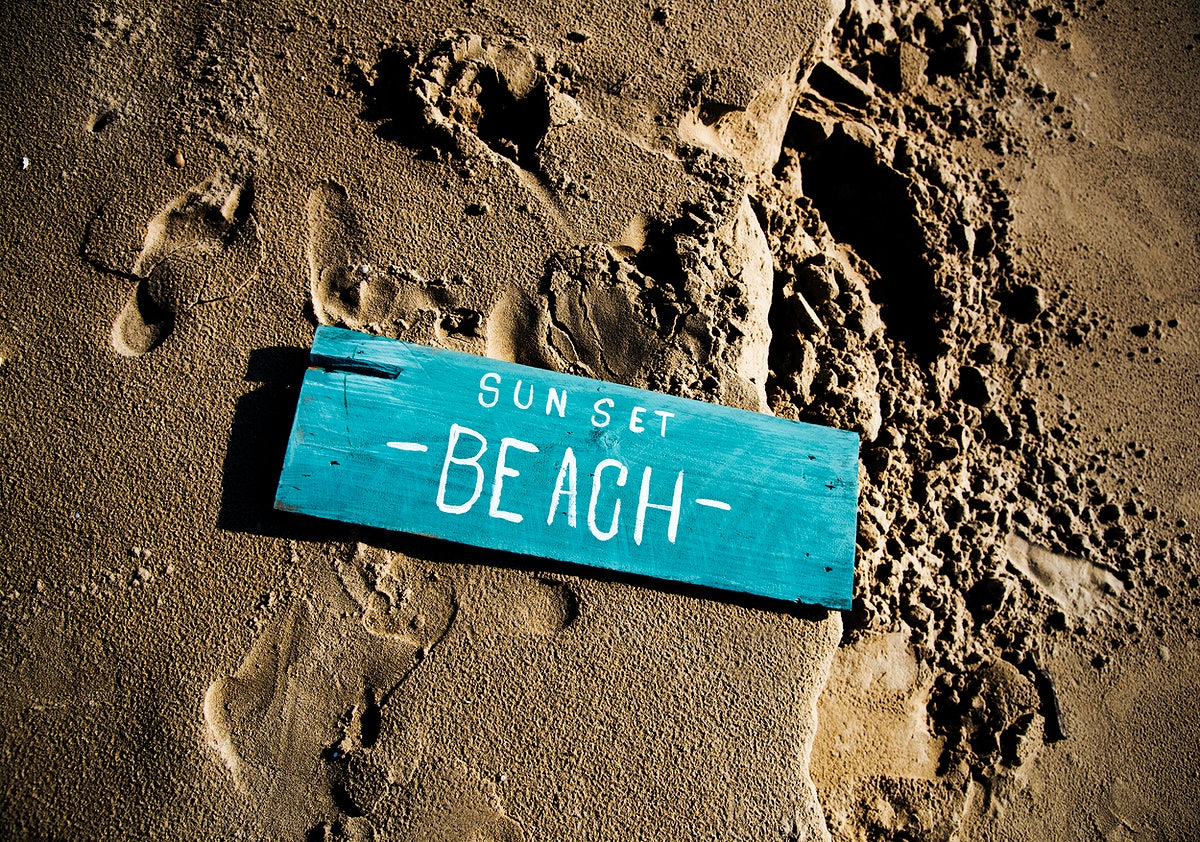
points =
(202, 247)
(443, 801)
(473, 811)
(350, 288)
(305, 695)
(397, 600)
(1079, 587)
(298, 724)
(505, 603)
(339, 259)
(295, 723)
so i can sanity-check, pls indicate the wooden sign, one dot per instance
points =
(493, 454)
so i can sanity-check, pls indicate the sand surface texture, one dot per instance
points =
(969, 232)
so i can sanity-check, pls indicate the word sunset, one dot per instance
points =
(503, 456)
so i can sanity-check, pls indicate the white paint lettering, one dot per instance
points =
(566, 473)
(557, 401)
(411, 446)
(644, 503)
(451, 459)
(621, 476)
(502, 471)
(635, 420)
(596, 422)
(517, 397)
(484, 387)
(664, 415)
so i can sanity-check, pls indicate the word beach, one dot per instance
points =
(504, 456)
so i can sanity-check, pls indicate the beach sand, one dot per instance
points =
(970, 234)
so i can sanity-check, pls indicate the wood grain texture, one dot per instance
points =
(499, 455)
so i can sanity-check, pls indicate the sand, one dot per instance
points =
(968, 233)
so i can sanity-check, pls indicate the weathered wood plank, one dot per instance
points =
(493, 454)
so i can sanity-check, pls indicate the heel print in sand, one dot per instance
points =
(203, 247)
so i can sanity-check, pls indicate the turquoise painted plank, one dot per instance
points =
(498, 455)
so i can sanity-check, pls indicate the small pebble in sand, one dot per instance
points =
(177, 159)
(24, 163)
